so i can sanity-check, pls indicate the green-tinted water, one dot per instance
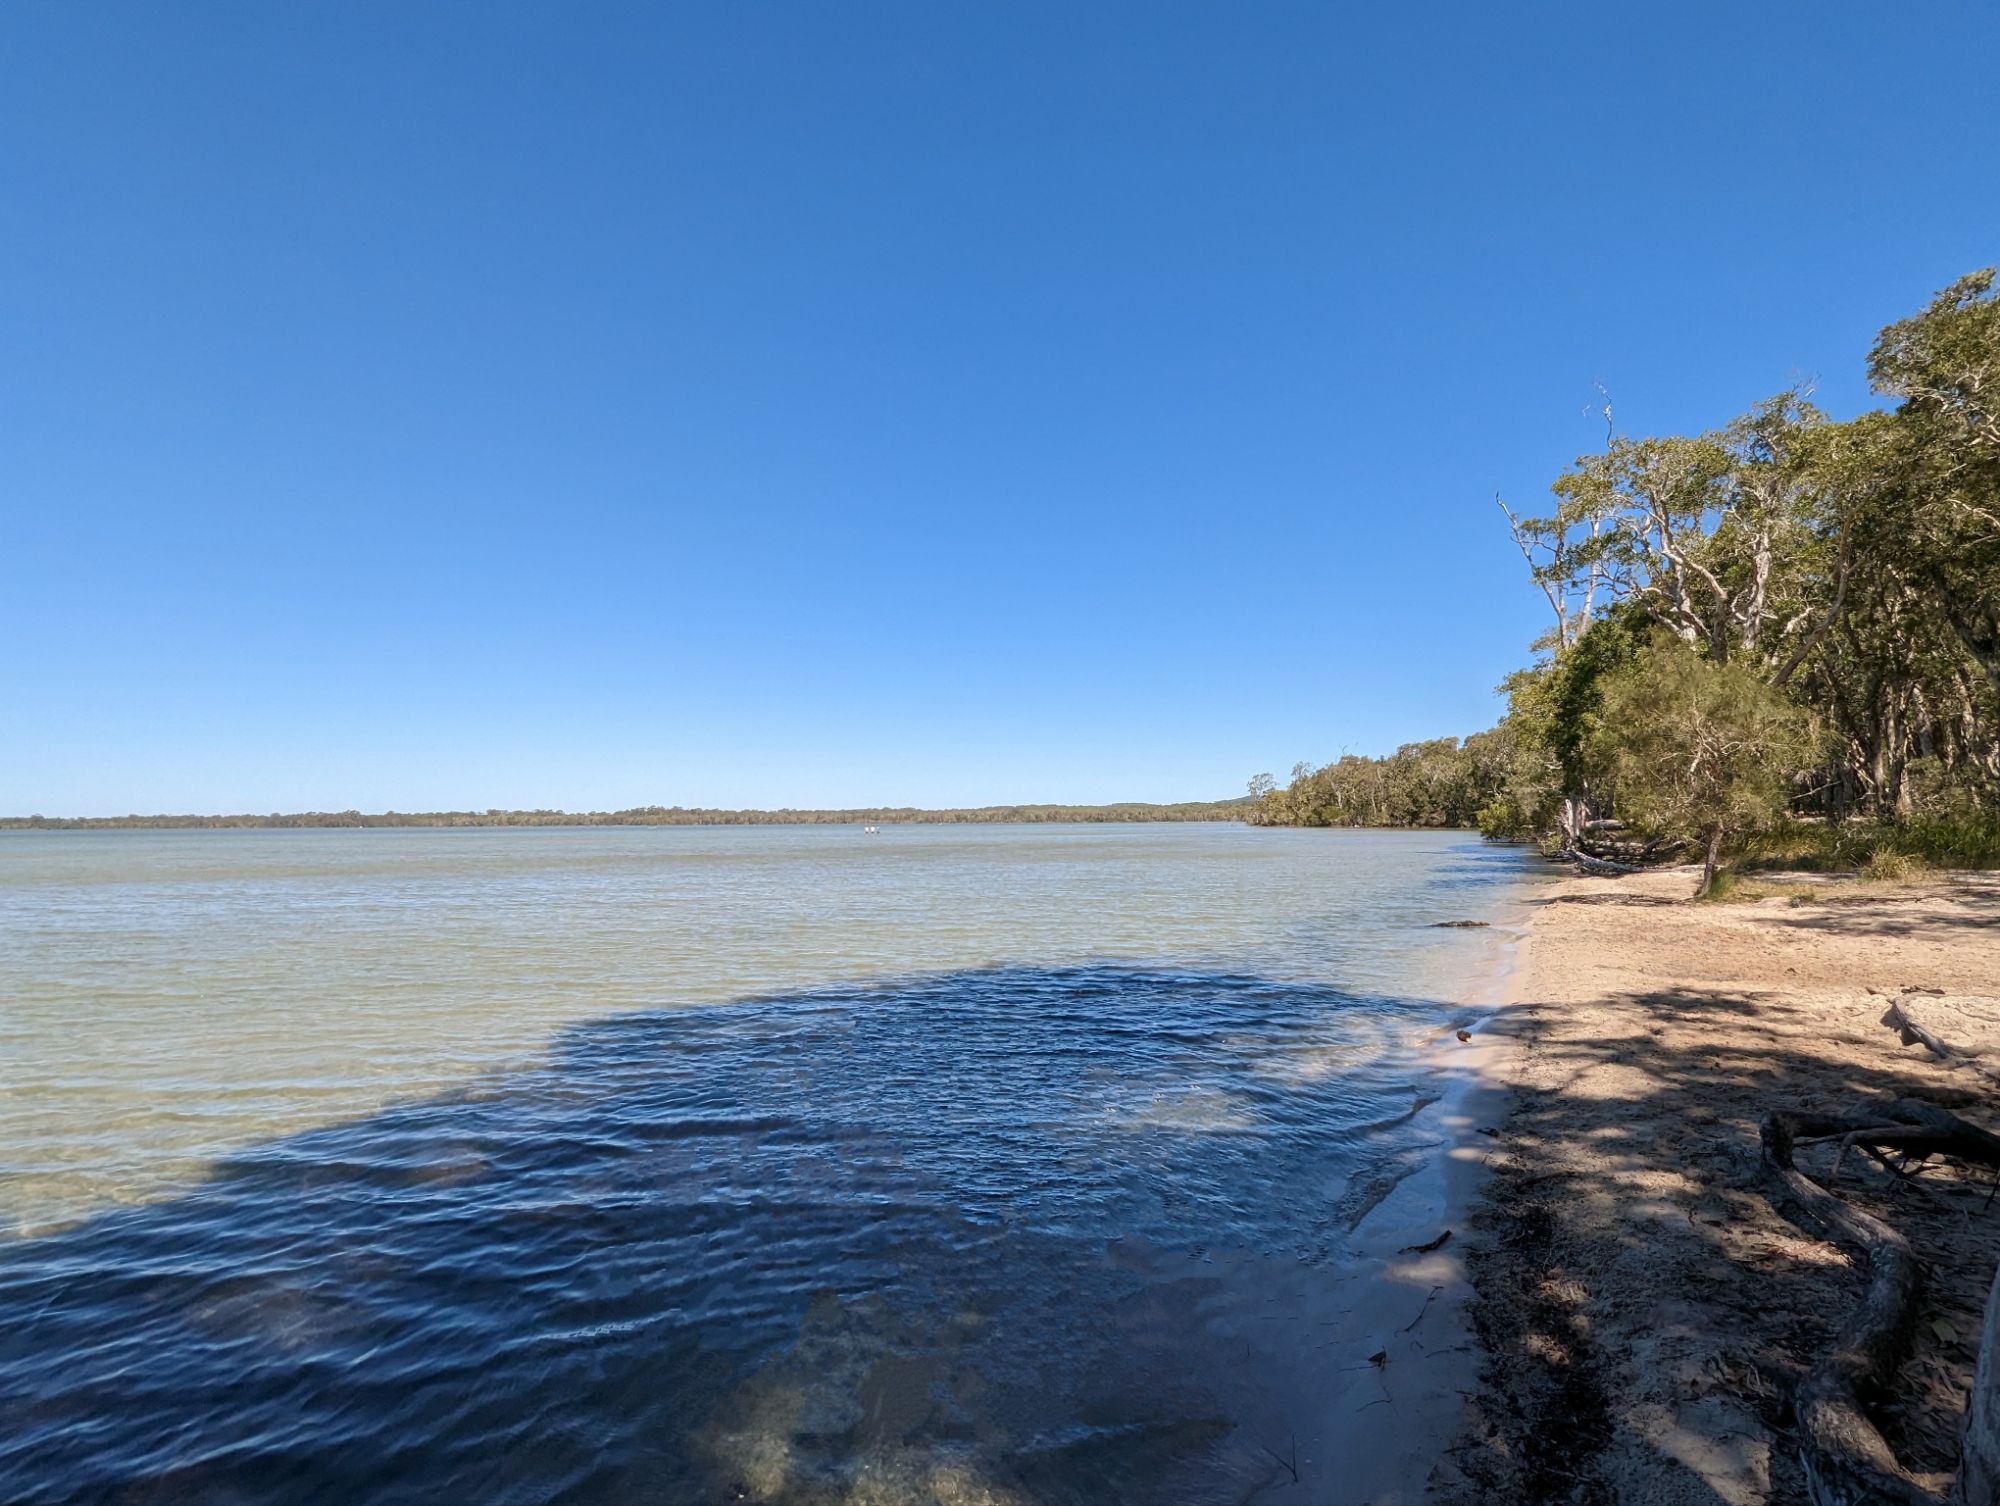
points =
(679, 1146)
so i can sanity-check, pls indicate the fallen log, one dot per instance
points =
(1617, 852)
(1846, 1460)
(1845, 1457)
(1659, 847)
(1603, 867)
(1979, 1451)
(1947, 1133)
(1608, 858)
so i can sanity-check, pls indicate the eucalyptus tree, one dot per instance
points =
(1944, 364)
(1723, 538)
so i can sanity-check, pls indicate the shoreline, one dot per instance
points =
(1378, 1427)
(1641, 1310)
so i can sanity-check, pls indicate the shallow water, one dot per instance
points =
(673, 1164)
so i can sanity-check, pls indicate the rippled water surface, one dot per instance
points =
(673, 1165)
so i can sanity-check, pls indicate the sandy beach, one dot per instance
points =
(1643, 1308)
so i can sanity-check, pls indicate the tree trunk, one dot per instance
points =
(1976, 623)
(1709, 866)
(1979, 1455)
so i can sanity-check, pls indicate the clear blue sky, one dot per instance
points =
(481, 404)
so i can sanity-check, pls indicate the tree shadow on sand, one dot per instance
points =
(927, 1239)
(1648, 1309)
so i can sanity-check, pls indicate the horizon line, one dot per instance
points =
(656, 815)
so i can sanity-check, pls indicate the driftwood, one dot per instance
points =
(1847, 1462)
(1633, 852)
(1901, 1017)
(1607, 849)
(1845, 1456)
(1602, 867)
(1979, 1455)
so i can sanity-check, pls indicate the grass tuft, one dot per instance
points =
(1724, 889)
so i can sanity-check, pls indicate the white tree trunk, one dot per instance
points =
(1979, 1457)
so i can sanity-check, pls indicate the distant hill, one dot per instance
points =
(1238, 809)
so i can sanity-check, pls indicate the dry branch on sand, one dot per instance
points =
(1901, 1017)
(1846, 1460)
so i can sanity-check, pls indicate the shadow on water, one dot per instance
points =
(933, 1239)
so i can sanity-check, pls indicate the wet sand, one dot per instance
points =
(1365, 1410)
(1643, 1310)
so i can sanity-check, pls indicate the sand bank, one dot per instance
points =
(1643, 1309)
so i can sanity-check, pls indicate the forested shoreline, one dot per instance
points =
(1441, 783)
(655, 815)
(1778, 637)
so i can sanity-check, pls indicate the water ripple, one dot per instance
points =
(572, 1271)
(878, 1234)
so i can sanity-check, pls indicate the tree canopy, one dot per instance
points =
(1783, 618)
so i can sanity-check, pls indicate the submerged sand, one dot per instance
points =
(1368, 1387)
(1643, 1309)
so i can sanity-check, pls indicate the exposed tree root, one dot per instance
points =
(1846, 1460)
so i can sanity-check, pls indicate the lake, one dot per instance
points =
(688, 1164)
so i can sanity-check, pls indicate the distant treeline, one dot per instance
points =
(665, 815)
(1443, 782)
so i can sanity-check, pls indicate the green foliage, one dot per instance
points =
(1965, 841)
(1891, 867)
(1850, 570)
(1441, 783)
(1576, 684)
(1968, 841)
(1782, 634)
(1514, 814)
(1729, 888)
(1692, 748)
(1809, 846)
(1944, 525)
(1553, 714)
